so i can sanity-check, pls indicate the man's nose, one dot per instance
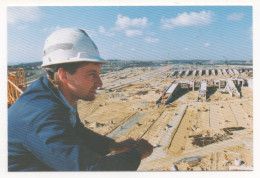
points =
(99, 82)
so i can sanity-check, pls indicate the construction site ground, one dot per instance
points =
(189, 135)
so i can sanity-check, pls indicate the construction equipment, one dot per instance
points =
(16, 84)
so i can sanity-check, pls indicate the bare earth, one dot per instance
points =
(212, 135)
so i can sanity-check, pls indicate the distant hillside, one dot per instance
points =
(26, 66)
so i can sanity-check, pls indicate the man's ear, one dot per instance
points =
(62, 75)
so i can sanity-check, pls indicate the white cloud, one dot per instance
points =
(23, 14)
(235, 16)
(151, 40)
(103, 31)
(186, 49)
(124, 22)
(188, 19)
(131, 27)
(132, 49)
(91, 33)
(207, 44)
(50, 29)
(131, 33)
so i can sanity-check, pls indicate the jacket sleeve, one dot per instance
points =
(53, 141)
(96, 142)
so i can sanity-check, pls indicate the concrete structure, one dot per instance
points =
(207, 72)
(231, 88)
(210, 72)
(230, 72)
(224, 71)
(219, 72)
(174, 88)
(174, 123)
(187, 72)
(126, 75)
(184, 84)
(217, 83)
(222, 83)
(180, 73)
(239, 82)
(202, 90)
(228, 85)
(235, 72)
(153, 73)
(192, 85)
(250, 83)
(174, 73)
(164, 93)
(194, 72)
(200, 72)
(121, 130)
(213, 72)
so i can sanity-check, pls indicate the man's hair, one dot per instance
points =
(52, 71)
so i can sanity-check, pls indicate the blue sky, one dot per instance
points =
(137, 32)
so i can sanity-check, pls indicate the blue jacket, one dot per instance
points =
(42, 138)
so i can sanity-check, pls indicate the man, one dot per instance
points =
(44, 130)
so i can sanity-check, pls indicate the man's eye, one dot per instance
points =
(93, 75)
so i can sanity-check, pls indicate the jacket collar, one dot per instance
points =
(57, 93)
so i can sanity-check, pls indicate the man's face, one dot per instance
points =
(84, 82)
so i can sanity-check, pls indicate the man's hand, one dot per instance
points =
(123, 146)
(144, 148)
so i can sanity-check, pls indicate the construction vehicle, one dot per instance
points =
(16, 84)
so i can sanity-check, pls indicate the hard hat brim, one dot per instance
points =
(74, 60)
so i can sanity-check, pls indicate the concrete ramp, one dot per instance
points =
(121, 130)
(173, 90)
(165, 138)
(160, 99)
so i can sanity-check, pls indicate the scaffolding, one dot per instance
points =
(16, 84)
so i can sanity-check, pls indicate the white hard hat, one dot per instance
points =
(69, 45)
